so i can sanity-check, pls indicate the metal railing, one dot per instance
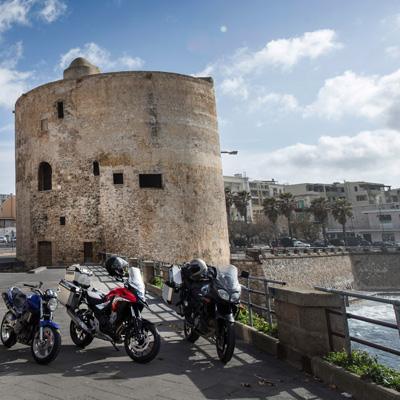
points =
(266, 293)
(346, 316)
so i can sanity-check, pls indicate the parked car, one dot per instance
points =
(3, 239)
(381, 244)
(298, 243)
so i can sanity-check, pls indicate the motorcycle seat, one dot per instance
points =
(18, 297)
(94, 298)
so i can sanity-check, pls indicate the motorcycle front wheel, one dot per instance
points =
(47, 350)
(78, 335)
(144, 348)
(190, 334)
(8, 336)
(225, 335)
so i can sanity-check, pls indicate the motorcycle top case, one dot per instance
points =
(78, 276)
(69, 294)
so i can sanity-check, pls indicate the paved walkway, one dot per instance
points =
(182, 370)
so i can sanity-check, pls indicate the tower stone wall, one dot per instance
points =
(135, 169)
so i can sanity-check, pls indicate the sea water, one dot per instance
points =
(377, 334)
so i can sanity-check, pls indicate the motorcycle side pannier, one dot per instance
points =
(69, 294)
(78, 276)
(170, 292)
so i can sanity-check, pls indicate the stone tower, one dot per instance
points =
(127, 162)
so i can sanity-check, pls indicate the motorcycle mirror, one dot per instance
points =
(244, 274)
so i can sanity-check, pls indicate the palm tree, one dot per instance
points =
(341, 211)
(228, 202)
(241, 200)
(287, 204)
(271, 210)
(320, 207)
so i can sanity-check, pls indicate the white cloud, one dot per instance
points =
(14, 11)
(22, 11)
(370, 156)
(100, 57)
(12, 85)
(372, 97)
(52, 10)
(286, 102)
(235, 86)
(393, 51)
(11, 55)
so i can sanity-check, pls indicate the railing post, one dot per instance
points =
(249, 302)
(154, 268)
(268, 304)
(346, 326)
(396, 308)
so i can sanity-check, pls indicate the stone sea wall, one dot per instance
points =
(348, 271)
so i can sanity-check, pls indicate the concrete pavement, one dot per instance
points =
(181, 370)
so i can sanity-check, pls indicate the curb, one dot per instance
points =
(37, 270)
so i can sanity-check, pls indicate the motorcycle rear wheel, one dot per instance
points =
(145, 348)
(46, 351)
(225, 336)
(8, 336)
(78, 335)
(190, 334)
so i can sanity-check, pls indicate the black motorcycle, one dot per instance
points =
(208, 298)
(29, 321)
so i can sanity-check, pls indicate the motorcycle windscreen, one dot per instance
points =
(136, 280)
(227, 274)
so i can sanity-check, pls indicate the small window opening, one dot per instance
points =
(45, 179)
(62, 220)
(118, 179)
(150, 181)
(43, 125)
(60, 109)
(96, 168)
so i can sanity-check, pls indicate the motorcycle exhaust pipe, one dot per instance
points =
(77, 320)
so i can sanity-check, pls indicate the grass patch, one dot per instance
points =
(157, 281)
(258, 323)
(367, 367)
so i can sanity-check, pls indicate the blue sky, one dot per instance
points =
(306, 90)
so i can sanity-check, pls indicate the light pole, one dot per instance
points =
(234, 152)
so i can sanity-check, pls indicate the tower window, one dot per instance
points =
(150, 181)
(62, 220)
(45, 176)
(118, 179)
(60, 109)
(96, 168)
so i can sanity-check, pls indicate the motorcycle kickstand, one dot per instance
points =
(115, 347)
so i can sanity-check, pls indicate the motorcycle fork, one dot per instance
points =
(137, 321)
(40, 321)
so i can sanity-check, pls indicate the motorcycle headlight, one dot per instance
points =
(223, 294)
(235, 296)
(52, 304)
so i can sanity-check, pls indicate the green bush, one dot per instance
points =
(367, 367)
(337, 242)
(157, 281)
(258, 323)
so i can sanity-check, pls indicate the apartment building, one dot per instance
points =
(258, 189)
(7, 214)
(376, 213)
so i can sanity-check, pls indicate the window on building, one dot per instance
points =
(45, 176)
(96, 168)
(150, 181)
(255, 202)
(385, 218)
(60, 109)
(388, 237)
(355, 188)
(43, 125)
(361, 198)
(118, 178)
(62, 220)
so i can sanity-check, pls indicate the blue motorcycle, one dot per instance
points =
(29, 321)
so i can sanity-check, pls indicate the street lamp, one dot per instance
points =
(234, 152)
